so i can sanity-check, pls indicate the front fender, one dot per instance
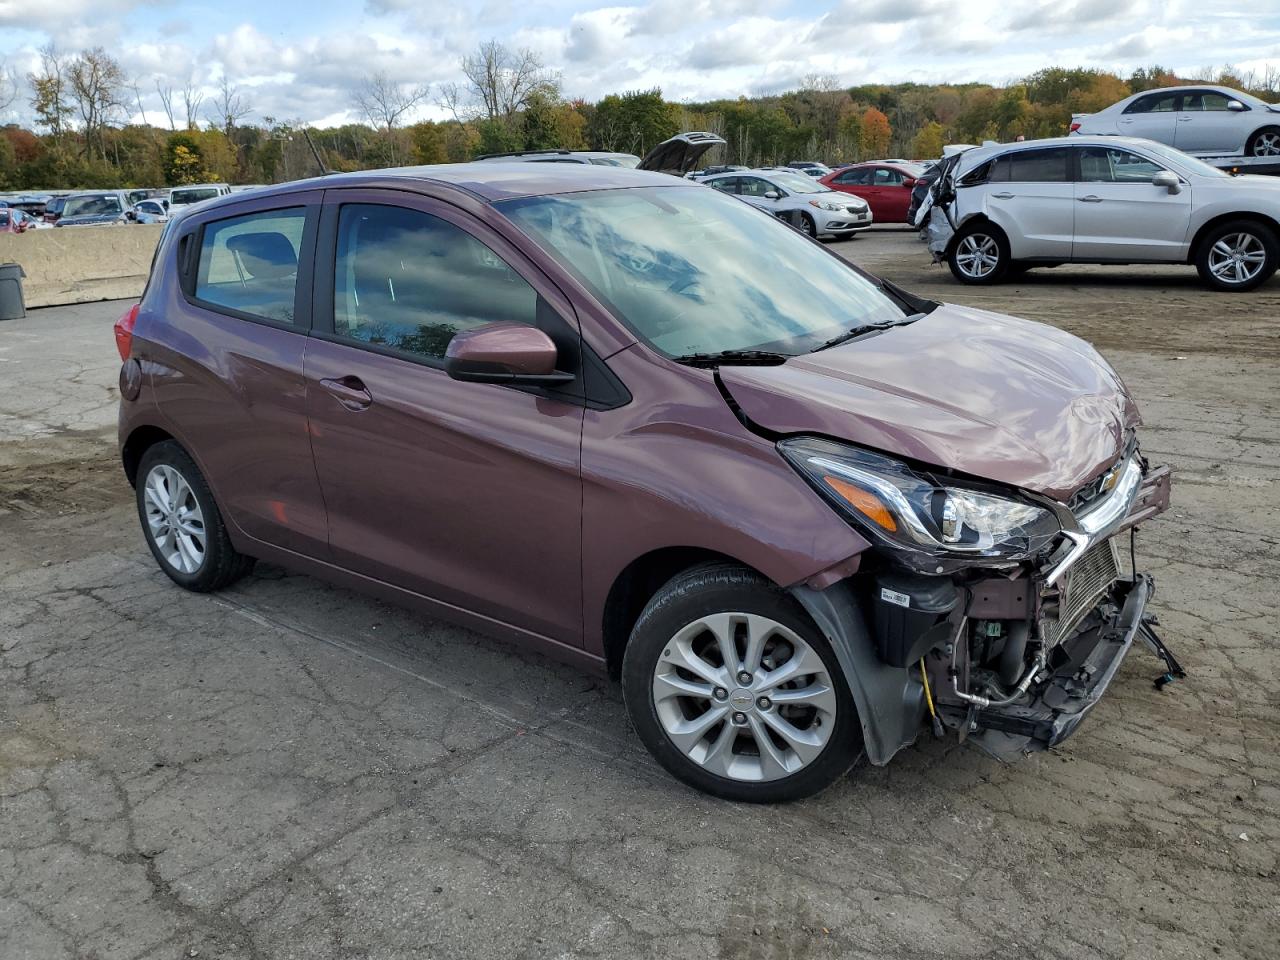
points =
(890, 700)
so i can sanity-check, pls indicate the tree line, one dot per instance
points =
(92, 130)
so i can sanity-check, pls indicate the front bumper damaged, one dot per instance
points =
(1062, 632)
(1092, 658)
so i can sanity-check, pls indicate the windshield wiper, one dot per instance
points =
(732, 356)
(866, 328)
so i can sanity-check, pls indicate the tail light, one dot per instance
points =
(124, 331)
(1075, 126)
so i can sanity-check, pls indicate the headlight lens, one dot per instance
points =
(931, 527)
(826, 205)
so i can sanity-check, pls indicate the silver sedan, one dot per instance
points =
(798, 199)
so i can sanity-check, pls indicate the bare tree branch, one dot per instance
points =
(191, 100)
(166, 99)
(384, 102)
(500, 82)
(229, 107)
(96, 83)
(8, 86)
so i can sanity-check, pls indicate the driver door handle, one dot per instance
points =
(1185, 119)
(350, 392)
(1002, 196)
(1090, 199)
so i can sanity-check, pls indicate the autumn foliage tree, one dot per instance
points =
(874, 134)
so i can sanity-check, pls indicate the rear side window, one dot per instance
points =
(1155, 103)
(726, 185)
(249, 264)
(859, 176)
(1031, 166)
(407, 281)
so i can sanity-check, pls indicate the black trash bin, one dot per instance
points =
(12, 306)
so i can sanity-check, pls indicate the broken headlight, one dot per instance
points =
(931, 527)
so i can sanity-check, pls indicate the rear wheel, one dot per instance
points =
(1264, 143)
(182, 524)
(735, 692)
(980, 254)
(1237, 256)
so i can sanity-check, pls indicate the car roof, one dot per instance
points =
(488, 181)
(971, 158)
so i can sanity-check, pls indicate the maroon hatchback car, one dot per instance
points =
(634, 423)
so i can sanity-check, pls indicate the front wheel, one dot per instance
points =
(1237, 256)
(979, 255)
(808, 226)
(1264, 143)
(734, 690)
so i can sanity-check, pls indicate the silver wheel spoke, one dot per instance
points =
(773, 763)
(689, 733)
(817, 695)
(719, 756)
(174, 519)
(802, 663)
(1222, 247)
(675, 685)
(806, 743)
(758, 631)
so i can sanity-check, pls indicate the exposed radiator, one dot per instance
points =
(1083, 586)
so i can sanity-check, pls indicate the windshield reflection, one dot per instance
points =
(690, 270)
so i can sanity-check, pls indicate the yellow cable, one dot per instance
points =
(928, 696)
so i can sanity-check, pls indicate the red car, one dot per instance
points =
(885, 186)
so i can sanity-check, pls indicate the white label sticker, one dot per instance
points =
(892, 596)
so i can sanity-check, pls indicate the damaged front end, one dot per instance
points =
(1008, 646)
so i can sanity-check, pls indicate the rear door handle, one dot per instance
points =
(1185, 119)
(1089, 199)
(349, 391)
(1002, 196)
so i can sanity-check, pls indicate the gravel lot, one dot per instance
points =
(289, 770)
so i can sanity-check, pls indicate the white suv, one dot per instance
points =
(1009, 207)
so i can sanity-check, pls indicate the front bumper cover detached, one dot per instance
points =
(1065, 698)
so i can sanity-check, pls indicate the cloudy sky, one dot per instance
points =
(300, 58)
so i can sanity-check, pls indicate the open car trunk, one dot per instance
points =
(680, 154)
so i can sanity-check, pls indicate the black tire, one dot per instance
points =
(1267, 140)
(991, 240)
(808, 226)
(716, 588)
(1261, 239)
(221, 565)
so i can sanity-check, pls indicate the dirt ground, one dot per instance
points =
(290, 770)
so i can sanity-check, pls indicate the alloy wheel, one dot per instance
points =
(1237, 257)
(1266, 145)
(978, 255)
(744, 697)
(175, 521)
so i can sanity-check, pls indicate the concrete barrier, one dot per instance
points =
(80, 264)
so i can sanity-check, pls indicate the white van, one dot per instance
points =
(196, 193)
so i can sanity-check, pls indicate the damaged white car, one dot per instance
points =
(1000, 210)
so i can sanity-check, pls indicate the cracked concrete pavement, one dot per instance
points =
(288, 770)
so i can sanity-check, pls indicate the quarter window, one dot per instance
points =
(1109, 165)
(408, 281)
(250, 264)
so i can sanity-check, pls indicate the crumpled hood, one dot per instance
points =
(984, 394)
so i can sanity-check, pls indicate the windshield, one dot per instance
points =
(192, 196)
(621, 160)
(91, 206)
(691, 270)
(797, 183)
(1190, 163)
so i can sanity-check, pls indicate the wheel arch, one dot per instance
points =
(977, 218)
(635, 586)
(139, 441)
(1213, 223)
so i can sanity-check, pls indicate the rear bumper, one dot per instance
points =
(1091, 659)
